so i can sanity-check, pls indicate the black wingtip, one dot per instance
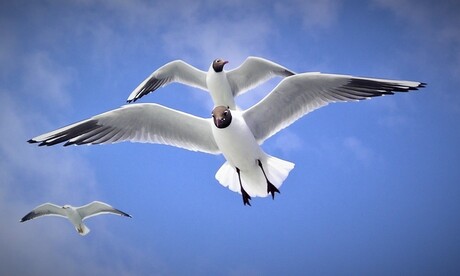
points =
(421, 85)
(289, 73)
(31, 141)
(120, 212)
(36, 142)
(27, 217)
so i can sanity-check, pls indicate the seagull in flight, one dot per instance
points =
(237, 134)
(223, 86)
(76, 215)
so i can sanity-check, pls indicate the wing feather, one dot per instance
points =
(98, 208)
(300, 94)
(46, 209)
(146, 123)
(253, 71)
(174, 71)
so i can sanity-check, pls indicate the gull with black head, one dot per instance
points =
(223, 86)
(237, 134)
(244, 154)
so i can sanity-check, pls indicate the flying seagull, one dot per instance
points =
(234, 133)
(223, 86)
(76, 215)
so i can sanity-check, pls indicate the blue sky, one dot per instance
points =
(376, 187)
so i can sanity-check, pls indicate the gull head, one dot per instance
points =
(218, 65)
(66, 206)
(221, 116)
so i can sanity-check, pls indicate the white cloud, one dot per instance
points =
(287, 141)
(313, 14)
(31, 176)
(434, 25)
(335, 152)
(208, 38)
(393, 111)
(393, 120)
(195, 31)
(411, 10)
(46, 80)
(37, 172)
(360, 151)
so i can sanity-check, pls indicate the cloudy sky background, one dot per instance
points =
(376, 187)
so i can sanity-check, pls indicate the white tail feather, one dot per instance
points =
(82, 229)
(253, 180)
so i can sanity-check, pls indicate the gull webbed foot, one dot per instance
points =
(271, 189)
(246, 196)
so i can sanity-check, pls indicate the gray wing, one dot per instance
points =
(145, 123)
(300, 94)
(252, 72)
(98, 208)
(174, 71)
(47, 209)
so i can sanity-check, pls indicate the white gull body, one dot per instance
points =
(222, 85)
(242, 151)
(291, 99)
(219, 88)
(76, 215)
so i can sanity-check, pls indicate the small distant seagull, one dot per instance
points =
(223, 86)
(76, 215)
(234, 133)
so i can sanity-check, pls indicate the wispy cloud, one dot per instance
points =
(434, 28)
(46, 80)
(313, 14)
(209, 37)
(31, 176)
(358, 149)
(287, 141)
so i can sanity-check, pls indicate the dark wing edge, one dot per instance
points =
(69, 132)
(29, 216)
(150, 85)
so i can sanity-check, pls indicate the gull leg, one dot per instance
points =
(245, 195)
(270, 187)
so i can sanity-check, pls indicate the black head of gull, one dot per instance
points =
(218, 65)
(222, 116)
